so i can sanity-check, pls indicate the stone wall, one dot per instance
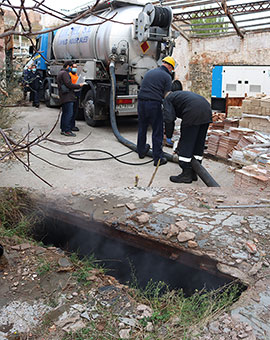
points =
(196, 58)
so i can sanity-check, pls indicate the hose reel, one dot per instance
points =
(153, 17)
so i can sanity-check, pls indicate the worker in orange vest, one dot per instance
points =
(74, 77)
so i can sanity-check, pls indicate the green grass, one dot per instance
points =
(84, 267)
(188, 313)
(16, 213)
(43, 267)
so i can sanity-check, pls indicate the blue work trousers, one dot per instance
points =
(67, 117)
(150, 113)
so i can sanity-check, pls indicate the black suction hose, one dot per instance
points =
(203, 174)
(198, 168)
(116, 132)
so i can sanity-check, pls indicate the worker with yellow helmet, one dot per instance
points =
(155, 85)
(169, 60)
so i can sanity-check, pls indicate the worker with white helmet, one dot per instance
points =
(155, 85)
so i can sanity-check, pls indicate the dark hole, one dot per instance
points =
(125, 256)
(239, 81)
(246, 81)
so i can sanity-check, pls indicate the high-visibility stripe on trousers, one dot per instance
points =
(191, 144)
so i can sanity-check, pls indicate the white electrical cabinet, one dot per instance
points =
(239, 81)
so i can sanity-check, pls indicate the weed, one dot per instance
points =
(188, 313)
(84, 333)
(16, 214)
(202, 205)
(52, 303)
(43, 267)
(84, 267)
(47, 322)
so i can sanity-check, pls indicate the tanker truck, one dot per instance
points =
(131, 36)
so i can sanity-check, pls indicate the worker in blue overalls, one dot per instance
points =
(155, 85)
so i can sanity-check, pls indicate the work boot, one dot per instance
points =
(184, 177)
(162, 161)
(146, 149)
(194, 176)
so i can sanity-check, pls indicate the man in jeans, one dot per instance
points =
(156, 83)
(67, 98)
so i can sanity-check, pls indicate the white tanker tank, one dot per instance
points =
(133, 35)
(122, 32)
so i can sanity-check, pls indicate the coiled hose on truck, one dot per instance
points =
(198, 168)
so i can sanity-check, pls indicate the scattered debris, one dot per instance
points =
(185, 236)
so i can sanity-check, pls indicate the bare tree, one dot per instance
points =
(24, 146)
(41, 8)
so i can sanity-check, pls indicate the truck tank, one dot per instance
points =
(119, 39)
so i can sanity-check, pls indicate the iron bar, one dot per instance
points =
(227, 30)
(242, 206)
(223, 22)
(231, 18)
(253, 7)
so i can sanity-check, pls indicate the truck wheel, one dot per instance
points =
(49, 102)
(90, 110)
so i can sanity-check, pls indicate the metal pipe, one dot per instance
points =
(242, 206)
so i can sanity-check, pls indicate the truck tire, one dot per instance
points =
(90, 110)
(49, 102)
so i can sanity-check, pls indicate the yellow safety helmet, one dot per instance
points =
(169, 60)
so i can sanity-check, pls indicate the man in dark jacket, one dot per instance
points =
(34, 81)
(67, 98)
(196, 114)
(25, 83)
(169, 127)
(156, 83)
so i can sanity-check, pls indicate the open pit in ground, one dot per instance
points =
(178, 228)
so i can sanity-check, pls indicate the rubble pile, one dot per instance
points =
(252, 175)
(243, 146)
(234, 111)
(256, 113)
(227, 327)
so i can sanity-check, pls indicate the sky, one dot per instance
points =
(55, 4)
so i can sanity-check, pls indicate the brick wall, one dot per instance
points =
(196, 58)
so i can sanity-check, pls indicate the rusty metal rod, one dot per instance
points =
(242, 206)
